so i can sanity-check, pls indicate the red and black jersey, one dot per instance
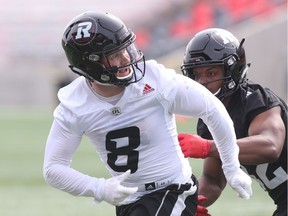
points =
(247, 102)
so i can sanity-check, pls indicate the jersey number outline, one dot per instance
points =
(280, 176)
(132, 135)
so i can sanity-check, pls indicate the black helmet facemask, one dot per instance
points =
(95, 71)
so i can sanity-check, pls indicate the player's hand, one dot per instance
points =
(201, 210)
(241, 183)
(194, 146)
(113, 192)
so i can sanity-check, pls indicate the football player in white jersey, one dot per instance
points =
(126, 107)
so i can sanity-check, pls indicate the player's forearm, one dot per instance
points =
(69, 180)
(211, 190)
(252, 150)
(213, 150)
(221, 127)
(257, 150)
(225, 142)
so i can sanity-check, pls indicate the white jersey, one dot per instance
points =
(138, 132)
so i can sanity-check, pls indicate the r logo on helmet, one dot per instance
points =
(84, 32)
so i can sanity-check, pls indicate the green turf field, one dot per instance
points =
(23, 192)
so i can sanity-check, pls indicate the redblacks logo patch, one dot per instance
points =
(84, 31)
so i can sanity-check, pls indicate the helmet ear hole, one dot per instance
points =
(81, 73)
(93, 57)
(232, 69)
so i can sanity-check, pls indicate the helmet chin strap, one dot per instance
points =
(81, 73)
(104, 84)
(218, 92)
(207, 83)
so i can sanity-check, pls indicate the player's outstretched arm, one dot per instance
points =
(196, 147)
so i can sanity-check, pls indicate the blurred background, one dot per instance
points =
(32, 62)
(33, 67)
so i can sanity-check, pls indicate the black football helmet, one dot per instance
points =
(217, 46)
(94, 35)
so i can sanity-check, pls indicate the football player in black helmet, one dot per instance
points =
(92, 39)
(130, 120)
(221, 50)
(216, 59)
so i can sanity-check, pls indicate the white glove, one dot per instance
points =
(241, 183)
(113, 192)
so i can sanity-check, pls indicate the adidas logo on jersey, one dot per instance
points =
(147, 89)
(150, 186)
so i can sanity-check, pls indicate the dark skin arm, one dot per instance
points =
(264, 142)
(263, 145)
(212, 181)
